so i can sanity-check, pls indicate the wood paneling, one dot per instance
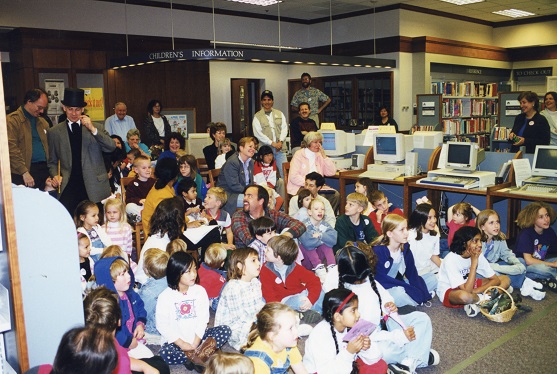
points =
(51, 59)
(456, 48)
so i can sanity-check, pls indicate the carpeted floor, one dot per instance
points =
(526, 344)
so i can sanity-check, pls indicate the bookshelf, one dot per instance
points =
(509, 108)
(469, 110)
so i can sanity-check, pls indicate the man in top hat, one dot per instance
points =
(75, 154)
(270, 128)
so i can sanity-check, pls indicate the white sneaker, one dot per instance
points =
(510, 289)
(321, 272)
(532, 283)
(304, 329)
(528, 290)
(472, 310)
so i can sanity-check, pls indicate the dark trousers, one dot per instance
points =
(39, 172)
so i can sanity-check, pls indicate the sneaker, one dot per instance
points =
(304, 329)
(550, 284)
(321, 272)
(472, 310)
(536, 295)
(310, 316)
(398, 369)
(434, 358)
(432, 293)
(510, 289)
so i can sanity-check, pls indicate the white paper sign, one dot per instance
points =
(522, 170)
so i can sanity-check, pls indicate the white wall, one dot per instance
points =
(541, 33)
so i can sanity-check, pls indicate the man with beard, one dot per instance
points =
(256, 201)
(312, 96)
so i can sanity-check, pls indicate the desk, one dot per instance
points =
(352, 177)
(434, 192)
(513, 204)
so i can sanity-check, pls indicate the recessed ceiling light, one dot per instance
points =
(514, 13)
(463, 2)
(257, 2)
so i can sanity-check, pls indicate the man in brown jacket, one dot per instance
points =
(27, 141)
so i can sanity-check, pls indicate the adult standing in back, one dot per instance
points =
(156, 126)
(530, 128)
(270, 128)
(312, 96)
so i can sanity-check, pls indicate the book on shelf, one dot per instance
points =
(457, 126)
(467, 88)
(501, 133)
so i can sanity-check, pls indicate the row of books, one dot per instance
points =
(469, 88)
(501, 133)
(469, 107)
(481, 140)
(467, 126)
(423, 128)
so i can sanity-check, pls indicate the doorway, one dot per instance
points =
(245, 95)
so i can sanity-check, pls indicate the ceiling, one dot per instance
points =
(312, 10)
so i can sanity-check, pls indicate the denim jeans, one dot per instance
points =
(541, 271)
(295, 301)
(280, 158)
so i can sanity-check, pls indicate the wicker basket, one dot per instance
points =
(505, 316)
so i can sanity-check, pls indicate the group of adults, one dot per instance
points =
(531, 127)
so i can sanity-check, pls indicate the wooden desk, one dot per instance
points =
(513, 204)
(352, 176)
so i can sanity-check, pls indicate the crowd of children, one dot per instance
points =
(348, 277)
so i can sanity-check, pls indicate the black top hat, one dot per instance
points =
(268, 94)
(74, 97)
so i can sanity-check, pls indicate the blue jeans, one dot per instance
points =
(417, 349)
(540, 271)
(295, 301)
(280, 158)
(431, 280)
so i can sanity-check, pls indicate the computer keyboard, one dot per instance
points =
(451, 181)
(536, 190)
(385, 175)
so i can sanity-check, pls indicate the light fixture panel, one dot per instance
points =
(514, 13)
(463, 2)
(257, 2)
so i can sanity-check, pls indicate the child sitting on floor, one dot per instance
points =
(262, 229)
(210, 276)
(459, 215)
(382, 208)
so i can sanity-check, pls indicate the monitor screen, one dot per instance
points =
(329, 141)
(386, 146)
(545, 161)
(459, 154)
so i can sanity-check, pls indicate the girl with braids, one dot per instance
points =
(273, 341)
(423, 237)
(395, 268)
(327, 352)
(404, 349)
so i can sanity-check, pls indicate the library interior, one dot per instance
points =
(421, 97)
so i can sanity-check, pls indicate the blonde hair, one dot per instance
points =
(229, 363)
(358, 198)
(390, 223)
(155, 261)
(527, 216)
(215, 255)
(219, 193)
(482, 219)
(224, 142)
(272, 199)
(237, 258)
(315, 201)
(266, 322)
(177, 245)
(140, 158)
(114, 251)
(119, 204)
(118, 266)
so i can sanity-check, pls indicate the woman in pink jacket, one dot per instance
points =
(310, 158)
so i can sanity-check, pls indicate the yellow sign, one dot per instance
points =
(95, 103)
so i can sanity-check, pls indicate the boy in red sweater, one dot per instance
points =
(283, 280)
(382, 208)
(210, 276)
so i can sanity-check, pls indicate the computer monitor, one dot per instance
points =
(427, 139)
(338, 143)
(464, 156)
(545, 161)
(388, 148)
(196, 142)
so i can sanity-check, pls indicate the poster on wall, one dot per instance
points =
(178, 123)
(428, 108)
(512, 107)
(95, 103)
(55, 92)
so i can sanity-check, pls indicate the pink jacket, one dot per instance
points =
(299, 168)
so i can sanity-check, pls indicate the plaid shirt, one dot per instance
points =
(238, 306)
(240, 226)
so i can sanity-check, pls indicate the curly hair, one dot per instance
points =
(461, 238)
(527, 216)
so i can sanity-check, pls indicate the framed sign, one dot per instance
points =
(182, 120)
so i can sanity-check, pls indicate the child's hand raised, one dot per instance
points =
(356, 344)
